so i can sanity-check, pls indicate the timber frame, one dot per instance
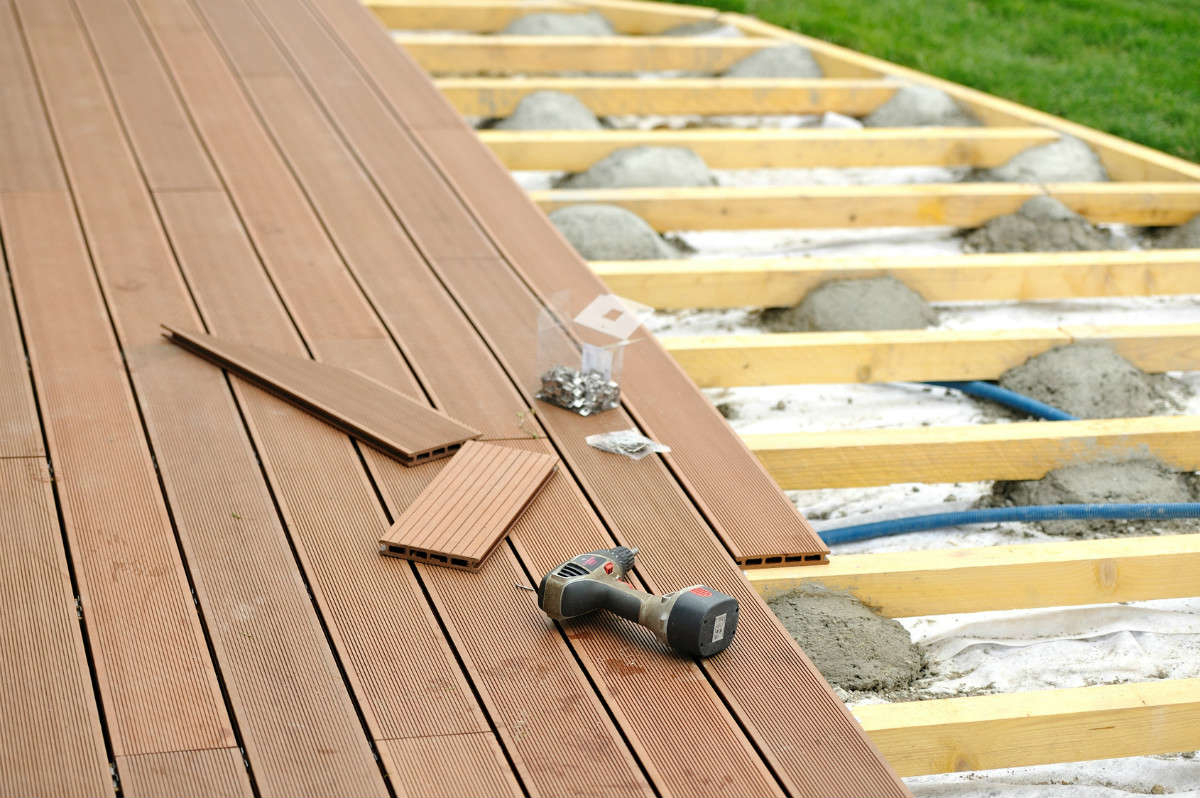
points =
(1147, 188)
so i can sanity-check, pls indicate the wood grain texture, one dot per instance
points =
(935, 582)
(1022, 450)
(361, 407)
(433, 765)
(489, 16)
(216, 772)
(464, 512)
(771, 282)
(492, 97)
(769, 148)
(1037, 727)
(954, 204)
(453, 54)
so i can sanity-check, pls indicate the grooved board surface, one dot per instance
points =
(466, 509)
(367, 410)
(244, 167)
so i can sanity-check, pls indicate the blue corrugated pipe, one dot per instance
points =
(1037, 512)
(1003, 396)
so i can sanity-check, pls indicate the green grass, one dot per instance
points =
(1128, 67)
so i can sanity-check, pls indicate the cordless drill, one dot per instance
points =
(696, 621)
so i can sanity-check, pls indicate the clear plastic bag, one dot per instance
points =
(628, 442)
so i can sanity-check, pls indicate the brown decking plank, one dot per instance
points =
(817, 764)
(557, 535)
(214, 773)
(28, 161)
(365, 409)
(417, 756)
(751, 515)
(48, 715)
(266, 636)
(466, 509)
(20, 431)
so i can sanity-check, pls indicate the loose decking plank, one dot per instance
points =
(957, 204)
(264, 631)
(373, 247)
(464, 512)
(216, 772)
(360, 407)
(770, 282)
(456, 54)
(612, 96)
(731, 671)
(576, 150)
(315, 294)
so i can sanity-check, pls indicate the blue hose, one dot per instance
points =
(1038, 512)
(1003, 396)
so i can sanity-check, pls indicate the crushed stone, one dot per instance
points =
(1185, 236)
(1042, 224)
(785, 61)
(606, 232)
(853, 647)
(548, 110)
(1067, 160)
(877, 303)
(1128, 481)
(634, 167)
(1093, 381)
(920, 106)
(550, 23)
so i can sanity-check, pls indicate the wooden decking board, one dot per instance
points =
(216, 772)
(266, 636)
(48, 713)
(641, 702)
(28, 161)
(20, 431)
(413, 759)
(885, 782)
(465, 511)
(395, 424)
(152, 664)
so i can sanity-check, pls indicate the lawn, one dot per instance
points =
(1128, 67)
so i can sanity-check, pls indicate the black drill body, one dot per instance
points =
(696, 621)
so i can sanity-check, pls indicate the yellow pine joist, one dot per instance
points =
(503, 55)
(763, 282)
(612, 96)
(1014, 577)
(1035, 728)
(1123, 159)
(956, 204)
(576, 150)
(489, 16)
(915, 355)
(1022, 450)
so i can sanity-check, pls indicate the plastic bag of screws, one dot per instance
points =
(580, 392)
(628, 442)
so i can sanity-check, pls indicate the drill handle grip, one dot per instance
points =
(587, 595)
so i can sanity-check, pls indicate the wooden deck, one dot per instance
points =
(193, 602)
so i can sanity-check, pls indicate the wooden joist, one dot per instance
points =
(1036, 727)
(1022, 576)
(956, 204)
(610, 96)
(769, 282)
(1123, 159)
(1022, 450)
(489, 16)
(915, 355)
(442, 54)
(767, 148)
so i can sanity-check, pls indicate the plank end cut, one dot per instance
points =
(402, 428)
(463, 514)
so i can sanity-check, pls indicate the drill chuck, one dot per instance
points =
(696, 621)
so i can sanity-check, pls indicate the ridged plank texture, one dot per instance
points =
(873, 774)
(412, 760)
(48, 711)
(262, 625)
(20, 431)
(388, 420)
(217, 772)
(465, 511)
(564, 525)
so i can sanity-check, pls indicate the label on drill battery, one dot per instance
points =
(719, 627)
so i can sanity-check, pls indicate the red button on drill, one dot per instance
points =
(608, 568)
